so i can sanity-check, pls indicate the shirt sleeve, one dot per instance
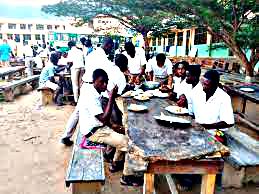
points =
(169, 66)
(149, 65)
(226, 111)
(69, 56)
(51, 71)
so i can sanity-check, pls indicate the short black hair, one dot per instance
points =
(161, 57)
(107, 40)
(54, 58)
(88, 43)
(129, 46)
(184, 63)
(194, 70)
(82, 40)
(100, 73)
(71, 44)
(122, 62)
(212, 75)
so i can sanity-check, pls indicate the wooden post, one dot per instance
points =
(148, 183)
(86, 188)
(208, 184)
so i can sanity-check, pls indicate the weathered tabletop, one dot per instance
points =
(171, 143)
(10, 70)
(171, 150)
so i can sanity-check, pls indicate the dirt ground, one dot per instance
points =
(32, 160)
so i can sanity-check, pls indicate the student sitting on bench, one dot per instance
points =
(47, 78)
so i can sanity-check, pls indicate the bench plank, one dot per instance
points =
(86, 165)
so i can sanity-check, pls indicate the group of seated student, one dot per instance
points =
(100, 119)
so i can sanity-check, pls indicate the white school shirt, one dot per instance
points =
(217, 108)
(27, 50)
(135, 64)
(160, 72)
(96, 60)
(76, 56)
(89, 105)
(181, 87)
(189, 96)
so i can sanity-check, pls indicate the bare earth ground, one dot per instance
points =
(32, 161)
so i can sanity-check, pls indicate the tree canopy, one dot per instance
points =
(232, 21)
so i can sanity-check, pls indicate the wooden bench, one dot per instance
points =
(241, 166)
(10, 90)
(86, 169)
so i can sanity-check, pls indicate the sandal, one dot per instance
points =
(132, 180)
(116, 166)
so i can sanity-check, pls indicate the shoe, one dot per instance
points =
(67, 142)
(132, 180)
(116, 166)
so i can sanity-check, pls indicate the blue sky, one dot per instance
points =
(27, 9)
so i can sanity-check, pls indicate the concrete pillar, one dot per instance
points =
(184, 42)
(192, 36)
(209, 38)
(175, 43)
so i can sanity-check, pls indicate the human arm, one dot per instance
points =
(105, 117)
(218, 125)
(182, 102)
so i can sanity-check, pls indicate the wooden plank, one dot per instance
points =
(208, 184)
(148, 187)
(85, 166)
(86, 188)
(212, 166)
(171, 184)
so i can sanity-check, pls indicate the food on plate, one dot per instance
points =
(127, 94)
(142, 97)
(136, 107)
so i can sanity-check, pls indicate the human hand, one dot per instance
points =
(118, 128)
(182, 101)
(114, 92)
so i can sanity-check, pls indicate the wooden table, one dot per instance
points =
(173, 150)
(10, 71)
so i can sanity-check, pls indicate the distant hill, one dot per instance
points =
(25, 12)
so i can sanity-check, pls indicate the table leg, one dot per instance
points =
(208, 184)
(244, 106)
(148, 183)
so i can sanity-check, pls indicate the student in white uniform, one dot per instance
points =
(180, 85)
(76, 59)
(193, 78)
(117, 78)
(136, 62)
(159, 68)
(212, 108)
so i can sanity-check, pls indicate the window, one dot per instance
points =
(39, 27)
(29, 26)
(1, 36)
(1, 26)
(49, 27)
(171, 39)
(216, 39)
(64, 27)
(159, 41)
(27, 36)
(37, 36)
(22, 26)
(17, 37)
(11, 26)
(56, 27)
(180, 39)
(154, 41)
(43, 36)
(200, 36)
(10, 36)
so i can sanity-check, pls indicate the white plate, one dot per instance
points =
(127, 94)
(136, 107)
(141, 97)
(177, 110)
(137, 92)
(161, 94)
(172, 119)
(247, 89)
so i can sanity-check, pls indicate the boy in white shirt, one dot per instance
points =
(212, 108)
(160, 68)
